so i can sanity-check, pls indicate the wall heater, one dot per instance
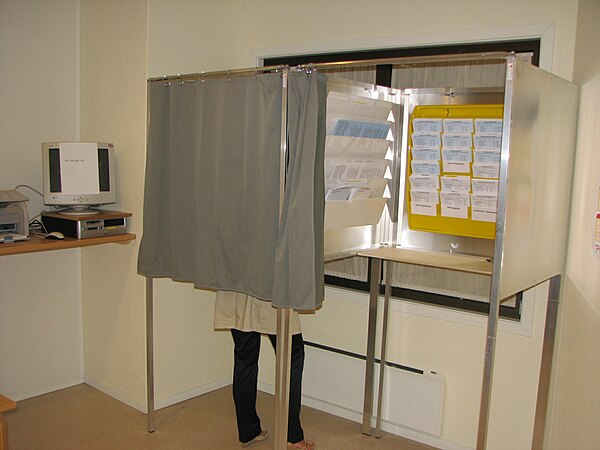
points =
(334, 382)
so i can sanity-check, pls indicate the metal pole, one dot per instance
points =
(546, 363)
(150, 352)
(407, 62)
(492, 323)
(374, 277)
(488, 371)
(282, 377)
(283, 352)
(384, 329)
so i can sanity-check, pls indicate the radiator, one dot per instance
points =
(334, 382)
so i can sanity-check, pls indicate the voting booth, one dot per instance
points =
(472, 182)
(478, 185)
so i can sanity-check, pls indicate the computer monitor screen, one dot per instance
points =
(78, 176)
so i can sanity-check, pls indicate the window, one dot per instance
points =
(399, 77)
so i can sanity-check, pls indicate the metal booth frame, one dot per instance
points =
(504, 253)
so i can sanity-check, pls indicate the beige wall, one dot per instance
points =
(576, 393)
(40, 303)
(113, 61)
(124, 42)
(188, 353)
(313, 23)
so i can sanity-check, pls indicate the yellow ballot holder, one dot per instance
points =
(453, 169)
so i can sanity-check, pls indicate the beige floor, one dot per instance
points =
(83, 418)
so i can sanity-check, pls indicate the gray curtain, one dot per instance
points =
(211, 199)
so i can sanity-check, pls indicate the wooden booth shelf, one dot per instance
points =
(450, 261)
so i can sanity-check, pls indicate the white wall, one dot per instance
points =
(576, 392)
(40, 305)
(124, 42)
(189, 355)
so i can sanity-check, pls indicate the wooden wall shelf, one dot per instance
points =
(38, 244)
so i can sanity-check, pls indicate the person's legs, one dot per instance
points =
(245, 376)
(295, 432)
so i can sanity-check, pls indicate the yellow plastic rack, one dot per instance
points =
(450, 225)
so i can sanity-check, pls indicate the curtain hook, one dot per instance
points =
(202, 77)
(255, 73)
(228, 74)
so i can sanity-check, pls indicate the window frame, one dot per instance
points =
(383, 78)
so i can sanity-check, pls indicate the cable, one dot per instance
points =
(29, 187)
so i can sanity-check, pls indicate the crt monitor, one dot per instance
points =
(78, 176)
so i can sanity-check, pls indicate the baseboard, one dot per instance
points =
(356, 416)
(162, 402)
(116, 394)
(191, 393)
(18, 398)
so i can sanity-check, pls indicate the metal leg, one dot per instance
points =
(546, 364)
(370, 365)
(488, 369)
(150, 352)
(384, 328)
(282, 377)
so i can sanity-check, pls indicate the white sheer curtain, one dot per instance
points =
(365, 74)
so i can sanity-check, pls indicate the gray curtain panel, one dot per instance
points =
(211, 199)
(299, 257)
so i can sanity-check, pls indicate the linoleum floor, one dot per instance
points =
(81, 418)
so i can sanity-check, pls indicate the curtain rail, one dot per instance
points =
(411, 61)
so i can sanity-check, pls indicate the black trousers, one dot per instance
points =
(245, 376)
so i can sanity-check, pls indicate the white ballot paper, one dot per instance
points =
(355, 168)
(487, 156)
(358, 128)
(458, 126)
(425, 167)
(483, 215)
(487, 141)
(424, 182)
(426, 154)
(424, 202)
(457, 154)
(457, 167)
(456, 184)
(488, 126)
(455, 204)
(352, 105)
(489, 187)
(486, 170)
(484, 207)
(426, 140)
(356, 146)
(427, 125)
(339, 193)
(457, 160)
(340, 189)
(457, 140)
(487, 202)
(360, 193)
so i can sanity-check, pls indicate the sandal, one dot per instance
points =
(302, 445)
(264, 434)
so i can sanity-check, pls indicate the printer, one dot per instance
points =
(14, 220)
